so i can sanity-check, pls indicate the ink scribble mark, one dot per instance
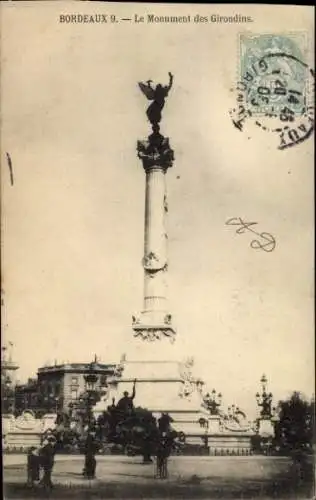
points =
(268, 244)
(10, 168)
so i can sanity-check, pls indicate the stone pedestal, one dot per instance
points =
(266, 428)
(214, 424)
(164, 385)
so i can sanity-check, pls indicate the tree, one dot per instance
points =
(295, 429)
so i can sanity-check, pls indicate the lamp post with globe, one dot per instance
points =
(232, 411)
(212, 402)
(90, 396)
(267, 418)
(264, 400)
(7, 395)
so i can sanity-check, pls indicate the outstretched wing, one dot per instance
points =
(147, 90)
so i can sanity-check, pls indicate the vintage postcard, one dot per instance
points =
(157, 232)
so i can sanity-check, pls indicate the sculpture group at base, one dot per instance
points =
(136, 429)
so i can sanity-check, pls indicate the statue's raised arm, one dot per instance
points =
(134, 390)
(170, 81)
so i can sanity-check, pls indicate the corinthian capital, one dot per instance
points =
(155, 152)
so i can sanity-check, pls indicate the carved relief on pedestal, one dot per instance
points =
(188, 382)
(152, 334)
(27, 423)
(186, 389)
(235, 421)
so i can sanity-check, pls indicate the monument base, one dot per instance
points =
(161, 388)
(163, 385)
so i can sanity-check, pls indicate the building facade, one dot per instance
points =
(27, 396)
(60, 385)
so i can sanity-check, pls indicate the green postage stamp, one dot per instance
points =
(276, 86)
(274, 63)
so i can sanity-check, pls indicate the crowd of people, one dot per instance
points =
(121, 424)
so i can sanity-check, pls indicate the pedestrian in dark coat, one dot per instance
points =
(47, 455)
(90, 461)
(33, 465)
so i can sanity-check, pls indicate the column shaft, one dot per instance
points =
(155, 243)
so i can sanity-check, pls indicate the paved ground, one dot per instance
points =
(189, 477)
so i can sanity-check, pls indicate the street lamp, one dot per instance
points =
(8, 396)
(56, 404)
(91, 380)
(264, 400)
(212, 402)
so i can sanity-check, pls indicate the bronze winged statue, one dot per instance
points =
(158, 96)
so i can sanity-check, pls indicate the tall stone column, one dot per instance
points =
(163, 383)
(155, 321)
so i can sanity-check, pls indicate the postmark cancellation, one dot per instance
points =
(275, 88)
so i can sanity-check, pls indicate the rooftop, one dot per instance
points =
(78, 367)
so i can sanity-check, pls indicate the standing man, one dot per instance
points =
(47, 455)
(90, 461)
(33, 466)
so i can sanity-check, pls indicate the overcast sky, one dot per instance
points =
(73, 220)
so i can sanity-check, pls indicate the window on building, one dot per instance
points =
(74, 380)
(74, 393)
